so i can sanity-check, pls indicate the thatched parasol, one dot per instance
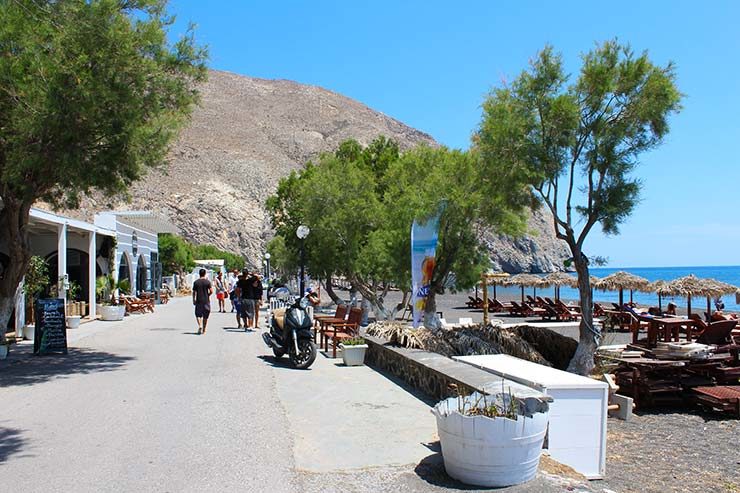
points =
(524, 280)
(494, 278)
(619, 281)
(694, 286)
(558, 279)
(661, 288)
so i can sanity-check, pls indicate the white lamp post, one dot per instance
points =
(302, 233)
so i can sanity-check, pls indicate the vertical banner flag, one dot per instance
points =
(423, 247)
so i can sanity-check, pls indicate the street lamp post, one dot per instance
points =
(302, 233)
(267, 274)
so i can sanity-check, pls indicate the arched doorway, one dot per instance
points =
(141, 284)
(124, 270)
(77, 268)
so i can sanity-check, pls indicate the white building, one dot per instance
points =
(78, 252)
(137, 247)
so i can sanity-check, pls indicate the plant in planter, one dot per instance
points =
(353, 351)
(491, 440)
(107, 291)
(35, 282)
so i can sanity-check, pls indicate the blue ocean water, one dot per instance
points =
(728, 274)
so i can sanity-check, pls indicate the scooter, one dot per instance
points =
(291, 332)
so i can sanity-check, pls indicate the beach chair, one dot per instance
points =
(549, 301)
(531, 301)
(541, 303)
(532, 311)
(518, 309)
(342, 330)
(567, 312)
(495, 306)
(474, 302)
(599, 311)
(718, 333)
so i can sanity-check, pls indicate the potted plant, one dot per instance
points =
(35, 281)
(107, 290)
(73, 308)
(491, 440)
(353, 351)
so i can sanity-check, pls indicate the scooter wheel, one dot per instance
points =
(306, 354)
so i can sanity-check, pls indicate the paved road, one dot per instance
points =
(147, 405)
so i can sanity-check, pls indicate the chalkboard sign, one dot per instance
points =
(51, 327)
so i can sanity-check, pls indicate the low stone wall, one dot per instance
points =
(434, 374)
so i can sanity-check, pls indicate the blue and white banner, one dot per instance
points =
(423, 249)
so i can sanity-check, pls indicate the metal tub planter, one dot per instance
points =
(493, 440)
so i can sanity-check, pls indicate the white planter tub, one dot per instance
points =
(492, 452)
(353, 355)
(29, 331)
(112, 312)
(73, 322)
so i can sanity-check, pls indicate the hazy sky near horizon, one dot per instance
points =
(431, 63)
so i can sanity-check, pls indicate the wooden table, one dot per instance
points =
(670, 326)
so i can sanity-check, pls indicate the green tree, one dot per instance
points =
(232, 261)
(426, 181)
(175, 253)
(91, 94)
(576, 146)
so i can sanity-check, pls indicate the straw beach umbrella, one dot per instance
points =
(524, 280)
(661, 288)
(619, 281)
(558, 279)
(694, 286)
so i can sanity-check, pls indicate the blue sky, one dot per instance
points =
(430, 64)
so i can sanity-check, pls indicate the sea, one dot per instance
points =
(728, 274)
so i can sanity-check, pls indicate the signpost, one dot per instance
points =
(51, 327)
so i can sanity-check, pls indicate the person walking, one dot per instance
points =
(220, 292)
(257, 297)
(231, 284)
(202, 291)
(237, 302)
(246, 298)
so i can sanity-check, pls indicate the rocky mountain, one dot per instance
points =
(246, 135)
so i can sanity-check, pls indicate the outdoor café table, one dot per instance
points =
(670, 327)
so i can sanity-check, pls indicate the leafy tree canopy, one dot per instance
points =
(576, 145)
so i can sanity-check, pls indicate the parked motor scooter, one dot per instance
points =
(291, 332)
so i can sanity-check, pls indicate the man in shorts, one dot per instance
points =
(202, 292)
(246, 298)
(257, 297)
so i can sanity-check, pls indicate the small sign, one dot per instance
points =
(51, 327)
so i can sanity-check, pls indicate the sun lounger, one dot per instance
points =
(532, 311)
(719, 333)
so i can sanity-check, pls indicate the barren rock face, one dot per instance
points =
(246, 135)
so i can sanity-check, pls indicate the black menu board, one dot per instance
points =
(51, 327)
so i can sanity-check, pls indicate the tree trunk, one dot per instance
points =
(330, 291)
(583, 360)
(376, 302)
(13, 222)
(430, 318)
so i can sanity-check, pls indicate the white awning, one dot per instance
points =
(147, 220)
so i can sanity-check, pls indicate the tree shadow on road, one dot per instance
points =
(25, 368)
(11, 442)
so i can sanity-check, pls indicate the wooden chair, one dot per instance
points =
(136, 305)
(337, 331)
(339, 315)
(566, 312)
(599, 311)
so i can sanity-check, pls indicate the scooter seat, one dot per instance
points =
(279, 315)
